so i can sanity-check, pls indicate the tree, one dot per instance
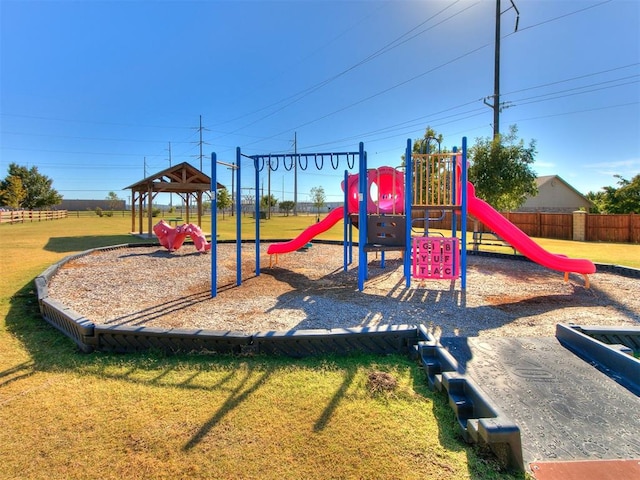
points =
(427, 144)
(224, 200)
(12, 192)
(286, 206)
(624, 199)
(37, 188)
(113, 200)
(318, 198)
(267, 202)
(428, 171)
(501, 170)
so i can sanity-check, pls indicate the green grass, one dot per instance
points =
(70, 415)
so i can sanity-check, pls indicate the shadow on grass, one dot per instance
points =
(52, 351)
(86, 242)
(239, 378)
(482, 464)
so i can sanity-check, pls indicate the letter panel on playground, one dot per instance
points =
(436, 258)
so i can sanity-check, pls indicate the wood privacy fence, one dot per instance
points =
(26, 216)
(599, 228)
(613, 228)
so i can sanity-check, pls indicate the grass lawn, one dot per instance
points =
(70, 415)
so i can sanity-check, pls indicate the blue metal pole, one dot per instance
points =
(454, 159)
(257, 215)
(345, 240)
(408, 200)
(238, 220)
(454, 194)
(463, 220)
(363, 196)
(214, 226)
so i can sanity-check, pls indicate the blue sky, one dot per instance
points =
(93, 93)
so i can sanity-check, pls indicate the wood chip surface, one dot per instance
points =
(149, 286)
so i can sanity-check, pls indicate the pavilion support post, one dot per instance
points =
(133, 211)
(140, 211)
(150, 210)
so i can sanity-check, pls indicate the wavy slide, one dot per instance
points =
(520, 241)
(301, 240)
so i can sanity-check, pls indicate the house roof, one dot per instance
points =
(181, 178)
(540, 181)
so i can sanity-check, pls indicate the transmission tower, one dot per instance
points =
(200, 142)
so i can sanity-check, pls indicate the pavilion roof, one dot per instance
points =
(181, 178)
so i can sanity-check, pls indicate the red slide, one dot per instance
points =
(521, 241)
(301, 240)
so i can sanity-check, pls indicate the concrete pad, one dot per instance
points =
(587, 470)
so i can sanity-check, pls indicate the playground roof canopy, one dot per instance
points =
(183, 179)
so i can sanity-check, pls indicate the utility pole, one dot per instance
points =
(269, 189)
(170, 194)
(233, 182)
(200, 142)
(496, 105)
(295, 174)
(496, 75)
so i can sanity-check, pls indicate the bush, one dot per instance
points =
(99, 212)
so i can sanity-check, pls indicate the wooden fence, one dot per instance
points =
(26, 216)
(600, 228)
(613, 228)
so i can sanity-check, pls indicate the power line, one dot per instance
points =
(94, 122)
(296, 97)
(458, 58)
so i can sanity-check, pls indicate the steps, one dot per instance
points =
(481, 421)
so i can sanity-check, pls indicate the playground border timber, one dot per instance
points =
(480, 420)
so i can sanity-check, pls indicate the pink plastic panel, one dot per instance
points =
(436, 258)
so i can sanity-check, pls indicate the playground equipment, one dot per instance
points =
(173, 238)
(385, 195)
(198, 238)
(522, 242)
(392, 208)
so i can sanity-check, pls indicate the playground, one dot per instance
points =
(401, 273)
(419, 291)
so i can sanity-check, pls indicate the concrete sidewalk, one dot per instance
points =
(566, 409)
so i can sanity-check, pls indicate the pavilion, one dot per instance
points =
(183, 179)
